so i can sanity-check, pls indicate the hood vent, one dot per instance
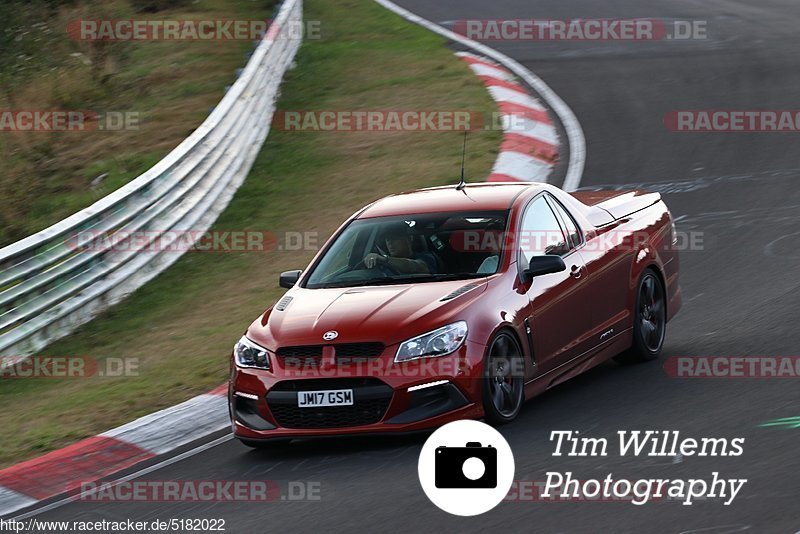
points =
(460, 291)
(283, 303)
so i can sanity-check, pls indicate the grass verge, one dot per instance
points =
(181, 326)
(165, 88)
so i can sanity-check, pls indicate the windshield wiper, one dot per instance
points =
(437, 277)
(353, 283)
(405, 279)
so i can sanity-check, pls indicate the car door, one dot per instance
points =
(608, 263)
(559, 321)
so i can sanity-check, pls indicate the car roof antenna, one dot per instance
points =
(462, 184)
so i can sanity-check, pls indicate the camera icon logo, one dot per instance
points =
(472, 466)
(466, 468)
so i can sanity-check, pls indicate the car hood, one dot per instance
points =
(389, 314)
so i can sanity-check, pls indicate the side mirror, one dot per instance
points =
(289, 278)
(546, 264)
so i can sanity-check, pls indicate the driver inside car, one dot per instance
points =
(401, 257)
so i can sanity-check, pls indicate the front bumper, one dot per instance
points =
(388, 397)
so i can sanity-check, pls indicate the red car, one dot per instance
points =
(456, 302)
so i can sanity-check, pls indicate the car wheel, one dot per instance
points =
(503, 381)
(650, 321)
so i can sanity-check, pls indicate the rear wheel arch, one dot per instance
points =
(660, 275)
(656, 269)
(637, 272)
(652, 317)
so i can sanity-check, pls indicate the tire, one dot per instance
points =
(503, 380)
(649, 320)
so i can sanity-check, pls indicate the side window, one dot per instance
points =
(573, 234)
(540, 232)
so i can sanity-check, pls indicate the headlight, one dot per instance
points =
(248, 354)
(440, 342)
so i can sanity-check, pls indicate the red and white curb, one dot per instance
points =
(530, 141)
(91, 459)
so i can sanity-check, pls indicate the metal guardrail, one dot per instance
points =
(48, 287)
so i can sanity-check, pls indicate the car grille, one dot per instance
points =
(305, 355)
(371, 398)
(306, 351)
(301, 357)
(357, 351)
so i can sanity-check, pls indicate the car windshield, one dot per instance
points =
(413, 248)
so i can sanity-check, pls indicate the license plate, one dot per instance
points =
(330, 397)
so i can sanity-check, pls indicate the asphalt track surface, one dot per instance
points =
(740, 298)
